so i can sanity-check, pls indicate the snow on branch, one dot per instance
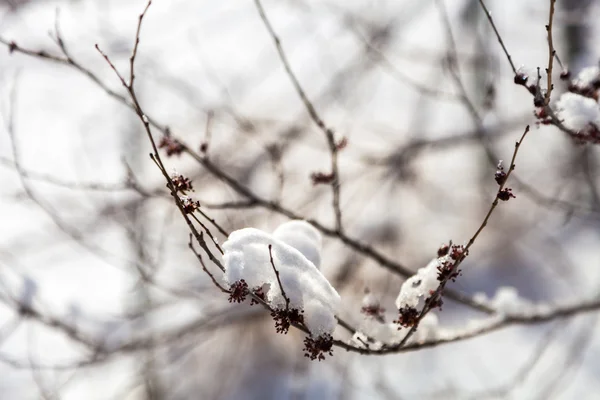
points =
(578, 111)
(295, 250)
(419, 285)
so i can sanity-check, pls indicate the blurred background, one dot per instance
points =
(426, 101)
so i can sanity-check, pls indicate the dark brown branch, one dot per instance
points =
(201, 260)
(209, 233)
(214, 223)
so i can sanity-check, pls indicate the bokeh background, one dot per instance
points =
(89, 236)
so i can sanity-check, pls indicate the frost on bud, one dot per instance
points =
(189, 205)
(521, 78)
(181, 183)
(315, 349)
(500, 175)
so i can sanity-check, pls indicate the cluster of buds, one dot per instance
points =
(458, 252)
(171, 146)
(181, 183)
(189, 205)
(238, 291)
(284, 318)
(522, 79)
(315, 349)
(500, 177)
(447, 271)
(539, 100)
(407, 317)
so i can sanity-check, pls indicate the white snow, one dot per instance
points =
(587, 76)
(419, 285)
(247, 257)
(303, 237)
(505, 301)
(577, 111)
(428, 328)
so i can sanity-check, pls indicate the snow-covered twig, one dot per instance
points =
(287, 299)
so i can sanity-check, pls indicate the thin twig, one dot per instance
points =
(209, 233)
(496, 200)
(287, 299)
(551, 52)
(491, 20)
(155, 156)
(251, 199)
(201, 260)
(434, 297)
(214, 223)
(335, 184)
(136, 45)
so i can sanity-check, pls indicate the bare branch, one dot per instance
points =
(491, 20)
(551, 52)
(333, 149)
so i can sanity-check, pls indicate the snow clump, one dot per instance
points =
(296, 250)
